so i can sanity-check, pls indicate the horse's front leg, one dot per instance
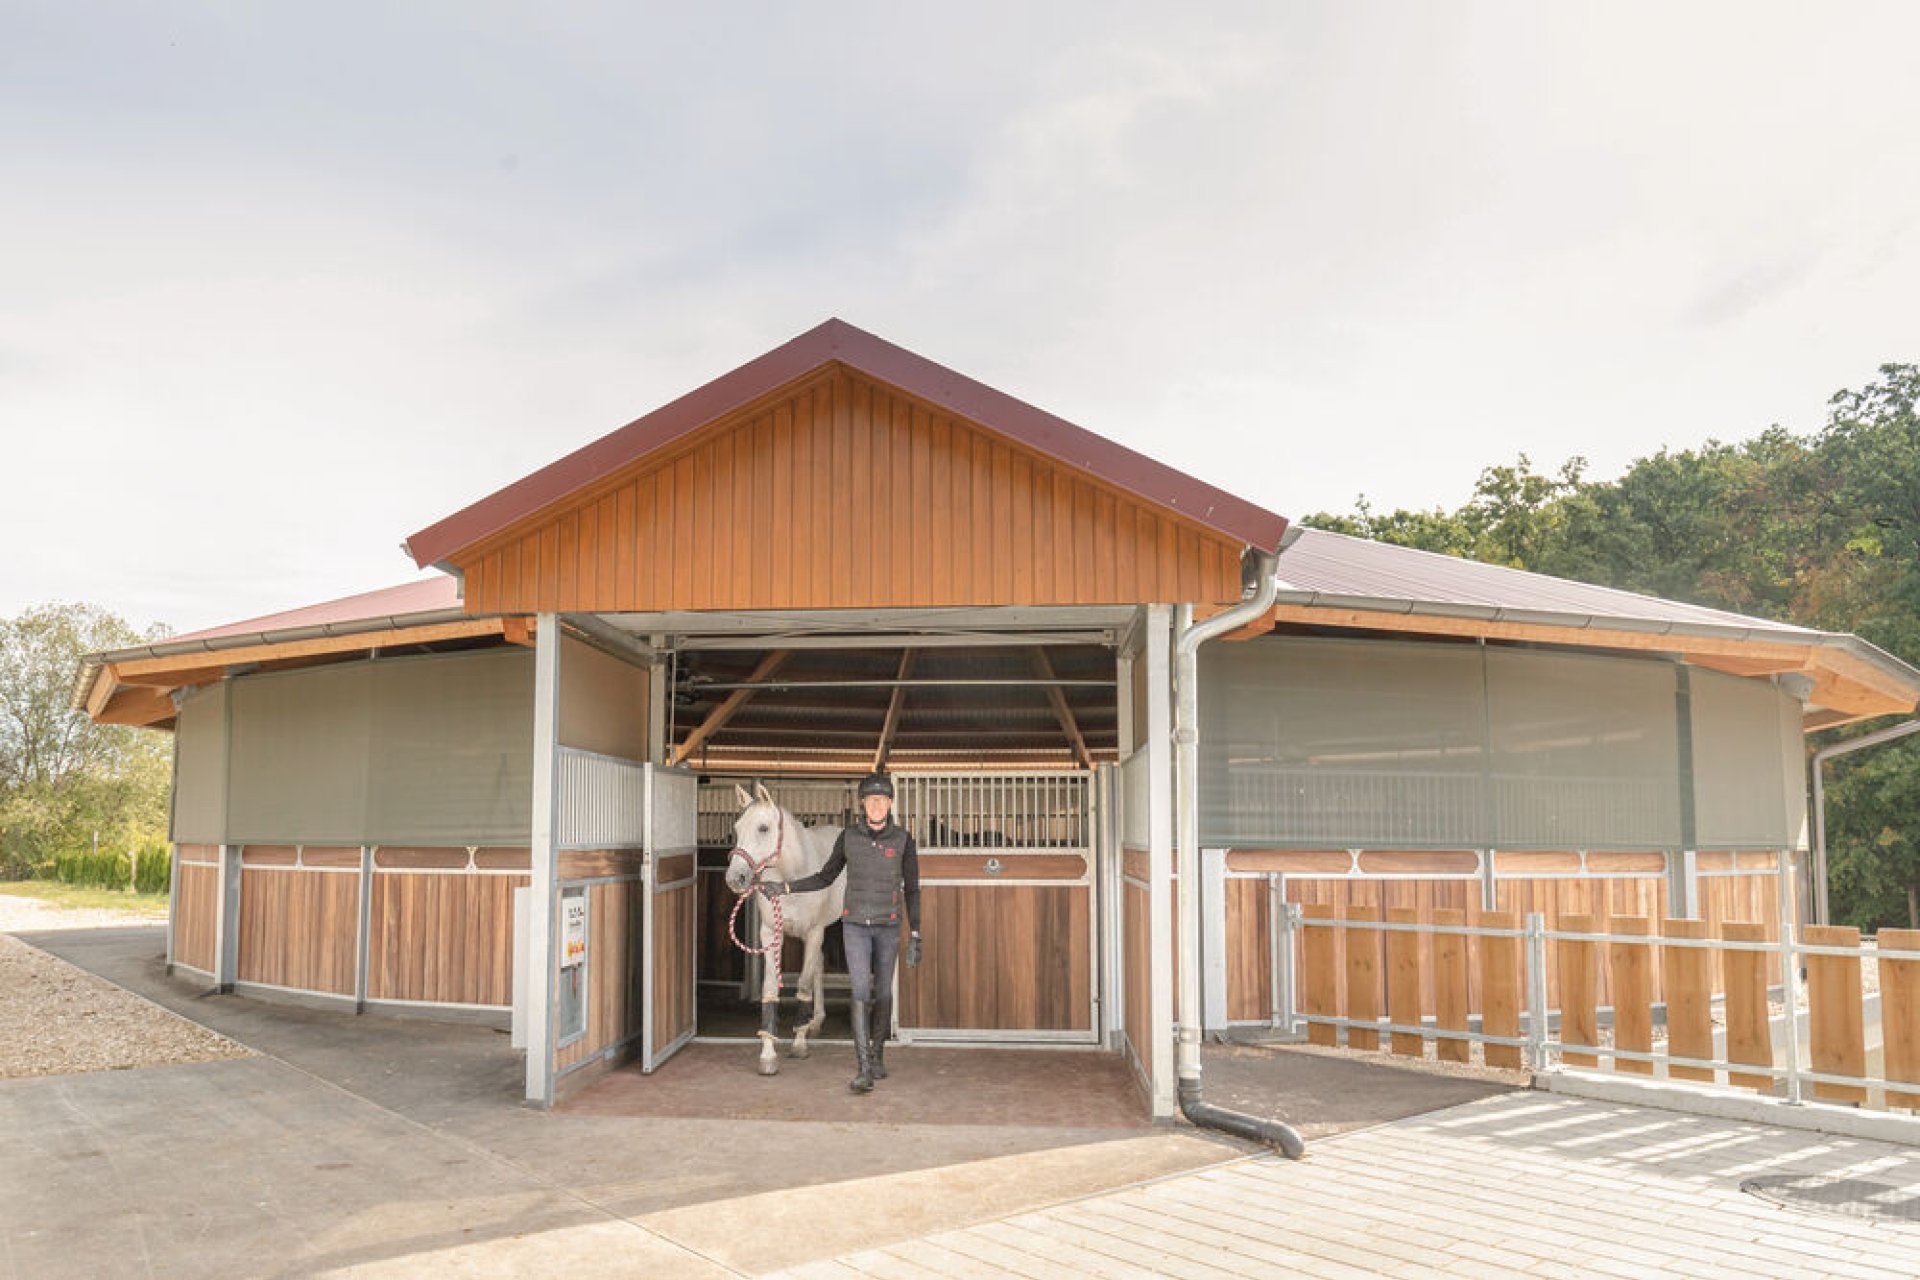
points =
(769, 1063)
(811, 988)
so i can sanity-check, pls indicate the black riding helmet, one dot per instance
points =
(876, 784)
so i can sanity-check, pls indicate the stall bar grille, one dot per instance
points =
(1005, 811)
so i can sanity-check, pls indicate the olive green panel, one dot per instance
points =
(1738, 768)
(300, 743)
(452, 750)
(200, 768)
(420, 750)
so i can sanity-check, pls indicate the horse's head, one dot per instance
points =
(757, 839)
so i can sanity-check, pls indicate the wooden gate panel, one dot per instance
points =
(1002, 958)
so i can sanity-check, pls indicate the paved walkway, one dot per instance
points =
(1526, 1184)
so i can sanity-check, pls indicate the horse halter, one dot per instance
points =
(758, 868)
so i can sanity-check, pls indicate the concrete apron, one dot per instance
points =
(367, 1145)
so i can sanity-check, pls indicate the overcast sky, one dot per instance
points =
(282, 284)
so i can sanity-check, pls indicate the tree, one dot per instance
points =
(63, 778)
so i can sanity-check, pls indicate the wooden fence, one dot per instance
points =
(1363, 974)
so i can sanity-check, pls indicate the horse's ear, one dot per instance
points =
(741, 791)
(760, 792)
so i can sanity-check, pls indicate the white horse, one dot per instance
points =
(771, 845)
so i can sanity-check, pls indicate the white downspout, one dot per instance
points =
(1186, 737)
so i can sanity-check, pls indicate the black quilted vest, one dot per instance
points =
(874, 888)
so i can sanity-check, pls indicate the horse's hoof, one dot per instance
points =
(769, 1066)
(800, 1049)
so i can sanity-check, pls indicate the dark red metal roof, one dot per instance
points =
(877, 358)
(429, 595)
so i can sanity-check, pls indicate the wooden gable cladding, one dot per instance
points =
(842, 492)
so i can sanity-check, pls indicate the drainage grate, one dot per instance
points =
(1842, 1197)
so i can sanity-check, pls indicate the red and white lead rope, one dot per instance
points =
(775, 900)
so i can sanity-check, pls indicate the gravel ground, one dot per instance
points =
(56, 1019)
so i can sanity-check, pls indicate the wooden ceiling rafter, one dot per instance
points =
(718, 717)
(1057, 698)
(894, 705)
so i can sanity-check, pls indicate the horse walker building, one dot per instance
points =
(1098, 681)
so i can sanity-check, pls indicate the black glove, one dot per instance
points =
(913, 951)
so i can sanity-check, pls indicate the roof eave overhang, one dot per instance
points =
(1895, 672)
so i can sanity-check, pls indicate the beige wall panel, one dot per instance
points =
(603, 702)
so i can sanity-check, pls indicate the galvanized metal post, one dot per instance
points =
(1289, 918)
(1536, 942)
(1789, 973)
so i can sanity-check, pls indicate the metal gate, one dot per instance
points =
(670, 919)
(1009, 913)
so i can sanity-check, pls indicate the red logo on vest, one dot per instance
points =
(888, 852)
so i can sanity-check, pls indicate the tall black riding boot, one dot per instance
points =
(863, 1046)
(882, 1028)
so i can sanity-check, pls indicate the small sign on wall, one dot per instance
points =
(573, 928)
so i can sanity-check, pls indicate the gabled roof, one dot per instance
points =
(833, 342)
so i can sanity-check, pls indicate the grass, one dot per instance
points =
(56, 894)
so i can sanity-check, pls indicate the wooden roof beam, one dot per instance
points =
(1043, 667)
(718, 717)
(894, 704)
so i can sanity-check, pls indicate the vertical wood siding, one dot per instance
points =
(1136, 951)
(196, 905)
(844, 493)
(674, 914)
(613, 974)
(1003, 958)
(299, 929)
(443, 937)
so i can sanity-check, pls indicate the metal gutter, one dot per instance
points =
(91, 664)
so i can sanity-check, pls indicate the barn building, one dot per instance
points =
(842, 556)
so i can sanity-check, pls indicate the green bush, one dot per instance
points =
(97, 870)
(156, 869)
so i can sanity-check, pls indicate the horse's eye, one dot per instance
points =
(764, 827)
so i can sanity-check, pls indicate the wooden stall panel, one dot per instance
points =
(1249, 950)
(442, 938)
(196, 907)
(299, 929)
(675, 912)
(1002, 958)
(1136, 961)
(613, 973)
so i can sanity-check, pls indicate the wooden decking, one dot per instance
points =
(1522, 1184)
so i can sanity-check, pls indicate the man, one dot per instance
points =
(883, 876)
